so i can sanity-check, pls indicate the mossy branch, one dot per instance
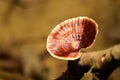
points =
(101, 64)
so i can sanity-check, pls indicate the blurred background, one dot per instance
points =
(25, 25)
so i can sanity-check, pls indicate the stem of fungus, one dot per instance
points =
(101, 64)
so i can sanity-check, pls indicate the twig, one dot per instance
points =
(101, 63)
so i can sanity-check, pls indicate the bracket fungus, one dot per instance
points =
(69, 37)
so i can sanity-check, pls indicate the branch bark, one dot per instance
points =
(101, 64)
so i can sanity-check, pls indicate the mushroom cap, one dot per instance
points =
(68, 37)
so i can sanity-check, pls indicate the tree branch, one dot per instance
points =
(100, 63)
